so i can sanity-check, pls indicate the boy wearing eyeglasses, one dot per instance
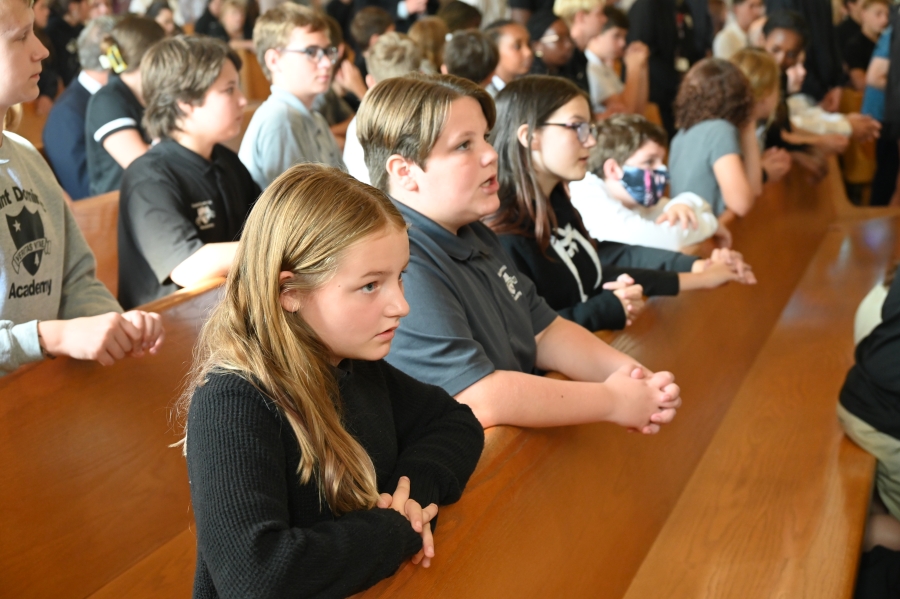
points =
(296, 55)
(183, 203)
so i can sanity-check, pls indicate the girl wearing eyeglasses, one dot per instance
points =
(543, 137)
(551, 43)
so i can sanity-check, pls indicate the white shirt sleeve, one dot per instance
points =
(607, 219)
(809, 117)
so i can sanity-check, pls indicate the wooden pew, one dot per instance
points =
(98, 219)
(88, 483)
(31, 125)
(572, 512)
(234, 144)
(559, 512)
(253, 82)
(777, 505)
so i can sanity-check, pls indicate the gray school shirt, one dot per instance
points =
(693, 154)
(46, 268)
(471, 311)
(284, 132)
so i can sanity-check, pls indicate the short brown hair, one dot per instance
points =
(471, 54)
(459, 15)
(430, 34)
(133, 36)
(713, 89)
(620, 136)
(393, 55)
(274, 28)
(180, 70)
(369, 21)
(406, 115)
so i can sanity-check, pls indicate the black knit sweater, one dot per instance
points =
(260, 533)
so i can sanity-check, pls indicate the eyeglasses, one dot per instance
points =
(315, 53)
(583, 130)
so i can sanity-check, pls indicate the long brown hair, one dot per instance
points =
(529, 100)
(303, 223)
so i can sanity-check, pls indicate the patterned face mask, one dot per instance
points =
(646, 187)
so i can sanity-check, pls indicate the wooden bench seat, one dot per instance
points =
(777, 505)
(572, 512)
(564, 512)
(88, 483)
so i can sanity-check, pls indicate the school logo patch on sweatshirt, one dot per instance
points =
(27, 230)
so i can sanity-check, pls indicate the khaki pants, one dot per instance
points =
(886, 450)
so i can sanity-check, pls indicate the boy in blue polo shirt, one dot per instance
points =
(476, 326)
(296, 54)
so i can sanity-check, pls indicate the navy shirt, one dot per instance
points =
(471, 311)
(64, 140)
(174, 202)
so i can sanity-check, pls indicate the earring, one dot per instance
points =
(539, 53)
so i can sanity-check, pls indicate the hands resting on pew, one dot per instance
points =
(419, 518)
(104, 338)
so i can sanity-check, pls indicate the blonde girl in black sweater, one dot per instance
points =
(316, 468)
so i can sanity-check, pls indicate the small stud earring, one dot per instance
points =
(539, 53)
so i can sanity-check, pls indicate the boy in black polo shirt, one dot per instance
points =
(184, 202)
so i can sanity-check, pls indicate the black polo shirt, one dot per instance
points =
(173, 202)
(471, 311)
(112, 109)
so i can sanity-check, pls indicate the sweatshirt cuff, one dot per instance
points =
(19, 345)
(26, 345)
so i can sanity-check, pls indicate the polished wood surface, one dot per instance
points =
(253, 82)
(565, 512)
(88, 483)
(98, 219)
(777, 505)
(31, 125)
(572, 512)
(235, 143)
(168, 572)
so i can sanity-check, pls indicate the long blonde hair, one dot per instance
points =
(303, 223)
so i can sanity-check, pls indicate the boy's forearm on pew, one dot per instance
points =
(572, 350)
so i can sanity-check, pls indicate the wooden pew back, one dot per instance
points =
(98, 219)
(253, 82)
(778, 504)
(572, 512)
(88, 482)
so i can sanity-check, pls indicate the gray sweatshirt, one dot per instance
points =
(46, 267)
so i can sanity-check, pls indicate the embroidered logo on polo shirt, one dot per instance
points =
(510, 283)
(205, 215)
(27, 230)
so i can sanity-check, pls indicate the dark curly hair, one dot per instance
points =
(713, 89)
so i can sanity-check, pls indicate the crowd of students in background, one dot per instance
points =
(493, 173)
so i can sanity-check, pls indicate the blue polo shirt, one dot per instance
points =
(471, 311)
(63, 137)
